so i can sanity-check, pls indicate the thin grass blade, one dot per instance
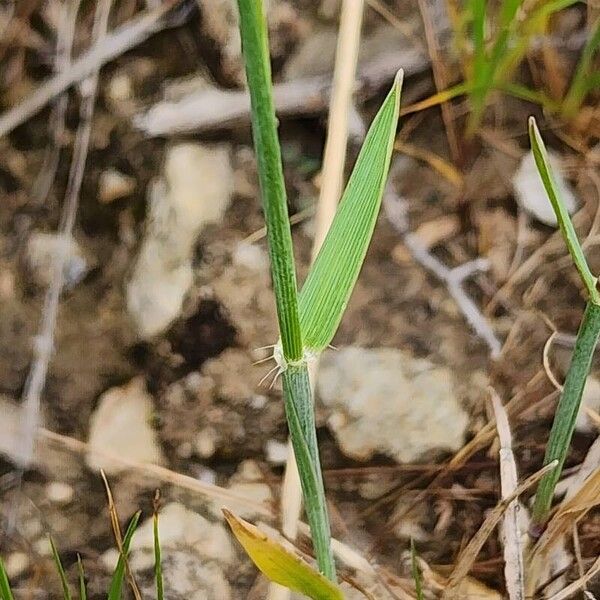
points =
(564, 220)
(157, 560)
(331, 280)
(116, 584)
(5, 591)
(82, 588)
(416, 571)
(60, 570)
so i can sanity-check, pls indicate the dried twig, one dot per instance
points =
(453, 278)
(469, 554)
(511, 536)
(122, 39)
(213, 108)
(62, 62)
(44, 342)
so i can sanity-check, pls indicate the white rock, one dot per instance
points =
(531, 195)
(120, 426)
(276, 452)
(196, 190)
(113, 184)
(385, 401)
(185, 576)
(206, 442)
(591, 400)
(59, 492)
(251, 256)
(180, 527)
(42, 248)
(16, 564)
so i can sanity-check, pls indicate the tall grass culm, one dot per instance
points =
(308, 320)
(585, 344)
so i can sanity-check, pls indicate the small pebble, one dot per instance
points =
(59, 492)
(113, 185)
(276, 452)
(16, 564)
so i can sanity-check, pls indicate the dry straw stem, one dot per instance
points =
(62, 62)
(469, 554)
(116, 527)
(332, 175)
(511, 535)
(44, 343)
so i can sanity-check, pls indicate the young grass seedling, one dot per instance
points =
(308, 321)
(587, 337)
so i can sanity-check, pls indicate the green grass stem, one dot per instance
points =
(585, 344)
(296, 387)
(255, 47)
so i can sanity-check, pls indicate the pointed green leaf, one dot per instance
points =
(5, 591)
(331, 280)
(562, 215)
(61, 571)
(279, 564)
(116, 585)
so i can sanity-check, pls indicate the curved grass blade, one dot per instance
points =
(61, 571)
(116, 584)
(279, 564)
(331, 280)
(564, 220)
(5, 591)
(82, 589)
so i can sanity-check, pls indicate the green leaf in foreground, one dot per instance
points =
(116, 585)
(5, 592)
(564, 220)
(330, 282)
(61, 572)
(279, 564)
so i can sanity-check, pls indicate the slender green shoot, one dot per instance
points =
(585, 344)
(81, 572)
(5, 591)
(60, 570)
(158, 578)
(416, 571)
(116, 584)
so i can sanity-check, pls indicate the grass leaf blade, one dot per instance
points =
(564, 220)
(61, 571)
(331, 280)
(116, 584)
(5, 591)
(82, 588)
